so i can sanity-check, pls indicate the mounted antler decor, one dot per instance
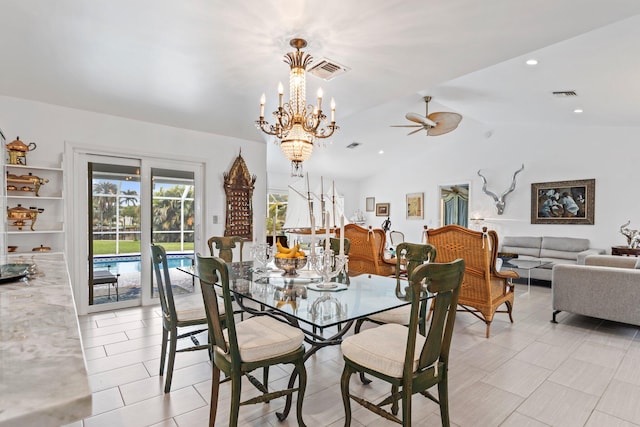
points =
(500, 201)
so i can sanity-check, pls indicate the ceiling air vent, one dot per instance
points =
(327, 69)
(564, 93)
(354, 145)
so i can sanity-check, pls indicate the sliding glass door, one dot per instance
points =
(130, 204)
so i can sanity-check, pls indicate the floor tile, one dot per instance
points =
(621, 400)
(583, 376)
(557, 405)
(580, 372)
(600, 419)
(481, 404)
(517, 377)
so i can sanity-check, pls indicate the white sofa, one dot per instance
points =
(556, 250)
(606, 287)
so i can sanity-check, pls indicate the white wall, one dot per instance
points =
(607, 154)
(50, 126)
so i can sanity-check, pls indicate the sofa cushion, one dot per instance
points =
(565, 244)
(563, 247)
(522, 245)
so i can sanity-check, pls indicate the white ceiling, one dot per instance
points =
(203, 65)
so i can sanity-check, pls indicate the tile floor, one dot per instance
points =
(581, 372)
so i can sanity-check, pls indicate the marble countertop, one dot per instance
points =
(43, 375)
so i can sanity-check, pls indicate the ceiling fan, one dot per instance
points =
(434, 123)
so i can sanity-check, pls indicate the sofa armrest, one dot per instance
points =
(582, 255)
(611, 261)
(602, 292)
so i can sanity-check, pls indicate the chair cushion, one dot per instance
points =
(382, 349)
(398, 315)
(191, 307)
(263, 337)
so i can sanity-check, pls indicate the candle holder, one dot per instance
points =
(328, 266)
(328, 308)
(261, 253)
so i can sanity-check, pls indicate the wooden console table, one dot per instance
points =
(625, 251)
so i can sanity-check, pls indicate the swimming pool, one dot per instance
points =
(131, 264)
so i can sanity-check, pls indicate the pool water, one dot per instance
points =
(131, 264)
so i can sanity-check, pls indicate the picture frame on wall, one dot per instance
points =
(382, 209)
(563, 202)
(370, 204)
(415, 206)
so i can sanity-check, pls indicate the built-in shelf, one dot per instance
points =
(49, 224)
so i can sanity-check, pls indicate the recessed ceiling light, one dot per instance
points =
(532, 62)
(381, 152)
(578, 110)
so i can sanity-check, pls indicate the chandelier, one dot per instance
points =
(297, 124)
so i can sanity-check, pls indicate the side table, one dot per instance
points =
(625, 251)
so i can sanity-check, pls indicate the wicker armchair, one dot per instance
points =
(367, 249)
(483, 289)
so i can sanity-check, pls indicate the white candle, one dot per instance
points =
(333, 110)
(313, 235)
(262, 101)
(327, 243)
(280, 94)
(341, 234)
(274, 230)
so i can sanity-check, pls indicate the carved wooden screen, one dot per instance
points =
(238, 187)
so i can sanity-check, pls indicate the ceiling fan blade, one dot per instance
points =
(406, 126)
(417, 130)
(445, 123)
(418, 118)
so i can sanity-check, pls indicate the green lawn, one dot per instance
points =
(108, 247)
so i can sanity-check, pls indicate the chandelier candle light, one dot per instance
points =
(297, 124)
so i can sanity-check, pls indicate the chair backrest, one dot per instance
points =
(444, 280)
(413, 254)
(479, 251)
(163, 281)
(334, 244)
(396, 237)
(366, 249)
(214, 279)
(225, 245)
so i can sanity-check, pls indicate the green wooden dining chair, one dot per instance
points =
(180, 312)
(409, 256)
(398, 354)
(225, 246)
(254, 343)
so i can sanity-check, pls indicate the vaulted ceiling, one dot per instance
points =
(203, 65)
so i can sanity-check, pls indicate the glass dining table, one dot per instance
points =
(303, 302)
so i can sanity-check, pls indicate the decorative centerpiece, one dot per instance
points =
(632, 236)
(289, 259)
(328, 266)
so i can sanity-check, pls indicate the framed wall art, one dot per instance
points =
(415, 206)
(370, 204)
(563, 202)
(382, 209)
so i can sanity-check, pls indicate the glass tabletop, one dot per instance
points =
(524, 264)
(298, 297)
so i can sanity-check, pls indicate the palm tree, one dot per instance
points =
(129, 198)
